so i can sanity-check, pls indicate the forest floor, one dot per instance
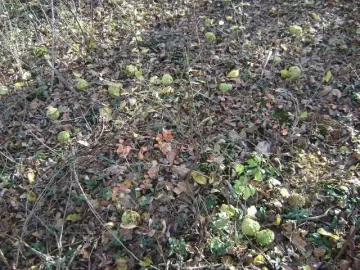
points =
(178, 121)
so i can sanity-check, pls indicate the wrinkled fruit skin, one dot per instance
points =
(114, 91)
(250, 227)
(81, 85)
(63, 137)
(210, 36)
(265, 237)
(166, 79)
(294, 72)
(297, 200)
(295, 30)
(130, 218)
(53, 113)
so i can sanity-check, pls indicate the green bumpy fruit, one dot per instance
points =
(53, 113)
(250, 227)
(295, 30)
(63, 137)
(130, 219)
(265, 237)
(210, 36)
(114, 90)
(294, 72)
(82, 85)
(296, 199)
(166, 80)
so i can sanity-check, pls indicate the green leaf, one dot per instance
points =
(249, 191)
(258, 175)
(224, 87)
(19, 84)
(73, 217)
(233, 74)
(146, 262)
(31, 196)
(228, 209)
(198, 177)
(239, 168)
(303, 115)
(327, 77)
(221, 222)
(325, 233)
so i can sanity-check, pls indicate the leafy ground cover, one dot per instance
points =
(179, 135)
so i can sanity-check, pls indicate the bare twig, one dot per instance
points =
(61, 79)
(4, 259)
(52, 45)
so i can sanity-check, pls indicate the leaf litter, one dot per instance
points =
(257, 108)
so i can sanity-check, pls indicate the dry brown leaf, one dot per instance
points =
(181, 171)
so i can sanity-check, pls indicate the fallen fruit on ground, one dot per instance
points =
(295, 30)
(82, 85)
(250, 227)
(114, 90)
(53, 113)
(296, 199)
(265, 237)
(63, 137)
(167, 80)
(130, 219)
(210, 36)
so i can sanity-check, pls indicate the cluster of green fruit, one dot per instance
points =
(251, 227)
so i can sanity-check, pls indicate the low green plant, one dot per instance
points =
(218, 246)
(295, 213)
(254, 169)
(178, 247)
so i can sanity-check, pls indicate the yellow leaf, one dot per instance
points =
(233, 74)
(146, 262)
(31, 177)
(259, 259)
(277, 220)
(198, 177)
(77, 75)
(327, 77)
(31, 196)
(19, 84)
(73, 217)
(91, 43)
(315, 16)
(326, 233)
(105, 112)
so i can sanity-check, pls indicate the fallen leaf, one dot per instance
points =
(233, 74)
(181, 171)
(327, 77)
(284, 131)
(298, 241)
(73, 217)
(31, 196)
(146, 262)
(319, 252)
(123, 150)
(167, 135)
(198, 177)
(322, 231)
(153, 171)
(30, 175)
(171, 155)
